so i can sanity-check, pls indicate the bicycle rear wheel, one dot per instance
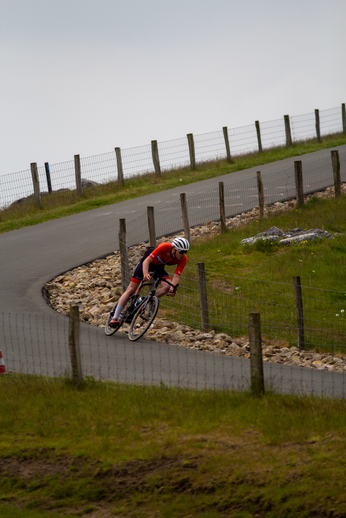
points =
(143, 318)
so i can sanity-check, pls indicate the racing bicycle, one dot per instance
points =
(140, 311)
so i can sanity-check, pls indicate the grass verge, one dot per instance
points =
(110, 450)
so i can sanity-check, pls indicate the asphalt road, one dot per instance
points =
(32, 256)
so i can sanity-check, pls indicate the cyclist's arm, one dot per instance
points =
(175, 281)
(180, 266)
(146, 265)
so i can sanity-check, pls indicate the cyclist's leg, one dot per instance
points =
(132, 287)
(164, 286)
(137, 276)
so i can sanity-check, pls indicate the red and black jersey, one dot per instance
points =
(162, 256)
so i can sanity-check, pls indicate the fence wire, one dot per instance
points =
(174, 154)
(273, 134)
(231, 299)
(38, 345)
(239, 197)
(303, 126)
(330, 121)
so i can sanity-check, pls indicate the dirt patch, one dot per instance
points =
(28, 468)
(246, 482)
(42, 477)
(30, 465)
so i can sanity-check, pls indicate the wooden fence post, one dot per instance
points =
(260, 195)
(151, 226)
(336, 172)
(343, 116)
(203, 301)
(124, 256)
(299, 311)
(256, 359)
(185, 216)
(36, 184)
(317, 124)
(119, 166)
(49, 183)
(258, 131)
(73, 341)
(228, 149)
(156, 159)
(192, 151)
(77, 170)
(288, 131)
(298, 172)
(222, 207)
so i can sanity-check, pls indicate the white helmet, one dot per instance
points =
(181, 244)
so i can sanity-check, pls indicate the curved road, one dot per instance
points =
(32, 256)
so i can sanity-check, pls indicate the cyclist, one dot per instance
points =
(153, 264)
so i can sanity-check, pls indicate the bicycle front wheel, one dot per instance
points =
(111, 330)
(143, 318)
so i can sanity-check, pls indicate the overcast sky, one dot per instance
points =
(84, 76)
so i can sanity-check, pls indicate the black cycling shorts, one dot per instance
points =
(154, 270)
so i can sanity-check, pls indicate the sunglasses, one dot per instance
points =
(182, 252)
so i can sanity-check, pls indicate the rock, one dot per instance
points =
(88, 183)
(208, 336)
(233, 347)
(223, 336)
(295, 235)
(272, 233)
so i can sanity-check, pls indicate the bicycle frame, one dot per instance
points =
(132, 308)
(142, 284)
(146, 311)
(129, 314)
(155, 286)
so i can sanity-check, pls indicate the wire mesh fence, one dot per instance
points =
(100, 168)
(304, 126)
(243, 140)
(38, 345)
(174, 154)
(330, 121)
(239, 197)
(231, 299)
(210, 146)
(273, 134)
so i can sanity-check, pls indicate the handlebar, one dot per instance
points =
(157, 282)
(174, 286)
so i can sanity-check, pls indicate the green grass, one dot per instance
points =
(269, 261)
(146, 451)
(58, 205)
